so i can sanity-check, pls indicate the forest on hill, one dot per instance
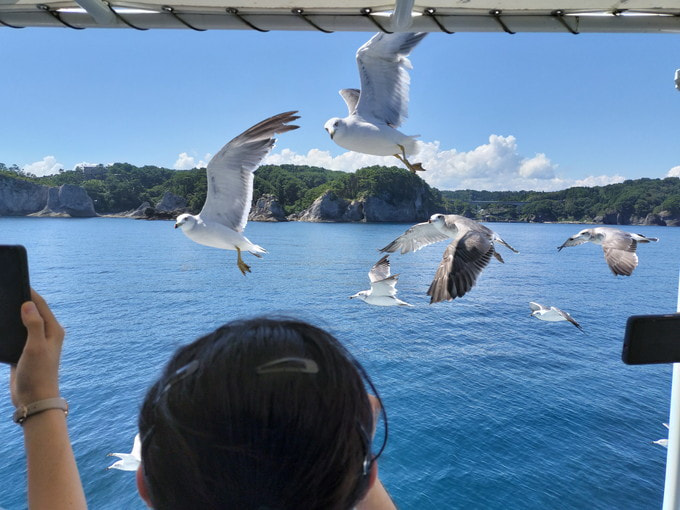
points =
(123, 187)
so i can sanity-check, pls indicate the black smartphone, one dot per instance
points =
(15, 289)
(652, 339)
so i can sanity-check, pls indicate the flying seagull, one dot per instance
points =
(224, 215)
(663, 442)
(551, 314)
(383, 291)
(379, 108)
(619, 246)
(128, 461)
(464, 258)
(677, 79)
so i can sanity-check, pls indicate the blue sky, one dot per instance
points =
(494, 111)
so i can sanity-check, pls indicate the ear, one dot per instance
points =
(373, 475)
(141, 487)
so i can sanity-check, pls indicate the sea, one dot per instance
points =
(488, 408)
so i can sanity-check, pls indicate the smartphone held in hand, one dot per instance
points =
(15, 289)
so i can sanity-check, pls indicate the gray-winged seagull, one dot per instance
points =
(221, 222)
(381, 105)
(128, 461)
(551, 314)
(618, 246)
(383, 291)
(464, 258)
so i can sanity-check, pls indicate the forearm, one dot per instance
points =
(377, 498)
(53, 479)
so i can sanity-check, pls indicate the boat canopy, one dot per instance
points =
(449, 16)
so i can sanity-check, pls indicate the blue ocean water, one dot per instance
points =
(488, 407)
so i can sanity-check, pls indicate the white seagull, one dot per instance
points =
(618, 246)
(663, 442)
(221, 222)
(128, 461)
(381, 105)
(464, 258)
(551, 314)
(677, 79)
(383, 291)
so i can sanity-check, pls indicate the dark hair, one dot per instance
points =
(218, 431)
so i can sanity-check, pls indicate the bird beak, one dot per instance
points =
(176, 225)
(331, 132)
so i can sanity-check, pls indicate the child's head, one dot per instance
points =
(261, 414)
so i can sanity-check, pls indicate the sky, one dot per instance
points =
(493, 111)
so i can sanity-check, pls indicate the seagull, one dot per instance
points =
(551, 314)
(224, 215)
(379, 108)
(619, 246)
(677, 79)
(464, 258)
(663, 442)
(128, 461)
(383, 291)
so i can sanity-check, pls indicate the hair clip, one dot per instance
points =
(302, 365)
(181, 373)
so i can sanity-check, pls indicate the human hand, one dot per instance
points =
(36, 375)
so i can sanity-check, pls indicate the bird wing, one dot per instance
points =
(566, 317)
(380, 270)
(386, 287)
(536, 306)
(137, 448)
(572, 241)
(619, 252)
(462, 262)
(351, 97)
(230, 171)
(383, 69)
(415, 238)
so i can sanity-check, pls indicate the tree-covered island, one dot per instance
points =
(122, 187)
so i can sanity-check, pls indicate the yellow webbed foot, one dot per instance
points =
(243, 267)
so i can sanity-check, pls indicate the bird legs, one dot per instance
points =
(413, 167)
(243, 267)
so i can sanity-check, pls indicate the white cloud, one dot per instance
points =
(83, 164)
(674, 172)
(186, 162)
(47, 166)
(494, 166)
(347, 162)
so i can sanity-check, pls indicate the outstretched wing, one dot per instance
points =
(536, 306)
(567, 317)
(383, 69)
(380, 270)
(415, 238)
(619, 252)
(137, 448)
(573, 241)
(386, 287)
(351, 97)
(461, 264)
(230, 171)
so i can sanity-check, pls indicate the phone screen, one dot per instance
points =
(652, 339)
(14, 290)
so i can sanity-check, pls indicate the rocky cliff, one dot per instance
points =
(267, 208)
(22, 198)
(384, 208)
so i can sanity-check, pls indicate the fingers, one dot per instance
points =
(52, 326)
(33, 321)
